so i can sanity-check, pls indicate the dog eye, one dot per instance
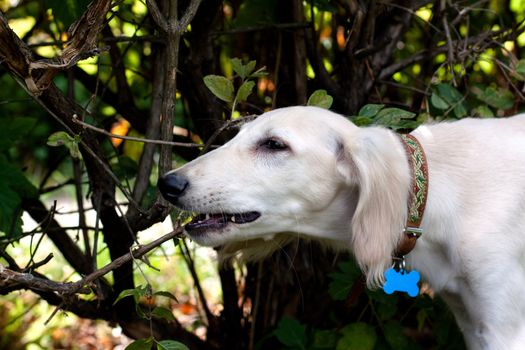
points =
(273, 144)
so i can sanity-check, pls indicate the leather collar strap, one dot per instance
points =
(416, 206)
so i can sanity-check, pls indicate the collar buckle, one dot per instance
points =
(411, 231)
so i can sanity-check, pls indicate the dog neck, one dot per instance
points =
(416, 207)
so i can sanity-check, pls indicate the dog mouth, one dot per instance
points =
(203, 223)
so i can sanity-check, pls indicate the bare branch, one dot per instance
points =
(137, 139)
(474, 42)
(83, 44)
(188, 15)
(10, 278)
(157, 15)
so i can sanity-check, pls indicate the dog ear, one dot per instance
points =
(375, 163)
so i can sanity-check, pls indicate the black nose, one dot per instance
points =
(172, 186)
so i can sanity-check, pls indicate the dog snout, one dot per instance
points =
(172, 186)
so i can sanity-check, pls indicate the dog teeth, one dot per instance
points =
(208, 216)
(232, 219)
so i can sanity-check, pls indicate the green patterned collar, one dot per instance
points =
(416, 205)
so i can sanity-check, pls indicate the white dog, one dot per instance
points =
(305, 171)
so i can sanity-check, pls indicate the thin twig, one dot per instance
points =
(191, 266)
(46, 224)
(131, 138)
(471, 41)
(280, 26)
(228, 124)
(450, 51)
(37, 264)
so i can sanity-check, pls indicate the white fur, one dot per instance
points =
(348, 187)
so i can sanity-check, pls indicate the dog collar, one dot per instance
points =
(416, 205)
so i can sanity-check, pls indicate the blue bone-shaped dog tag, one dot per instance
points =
(401, 281)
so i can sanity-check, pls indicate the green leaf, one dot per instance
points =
(386, 305)
(242, 70)
(325, 339)
(62, 138)
(14, 186)
(362, 121)
(483, 111)
(460, 110)
(166, 294)
(291, 332)
(59, 138)
(496, 97)
(395, 337)
(15, 179)
(171, 345)
(74, 151)
(392, 117)
(320, 98)
(449, 93)
(68, 11)
(126, 293)
(370, 110)
(220, 86)
(13, 129)
(245, 90)
(451, 96)
(141, 344)
(343, 281)
(438, 103)
(163, 313)
(357, 336)
(10, 212)
(237, 67)
(249, 67)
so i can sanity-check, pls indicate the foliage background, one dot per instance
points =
(74, 200)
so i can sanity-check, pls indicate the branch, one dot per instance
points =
(157, 15)
(191, 10)
(473, 41)
(134, 254)
(146, 162)
(167, 106)
(136, 139)
(10, 278)
(276, 26)
(83, 44)
(15, 54)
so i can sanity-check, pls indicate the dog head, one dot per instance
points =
(297, 171)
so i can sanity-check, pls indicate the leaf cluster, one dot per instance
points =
(381, 324)
(223, 88)
(145, 300)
